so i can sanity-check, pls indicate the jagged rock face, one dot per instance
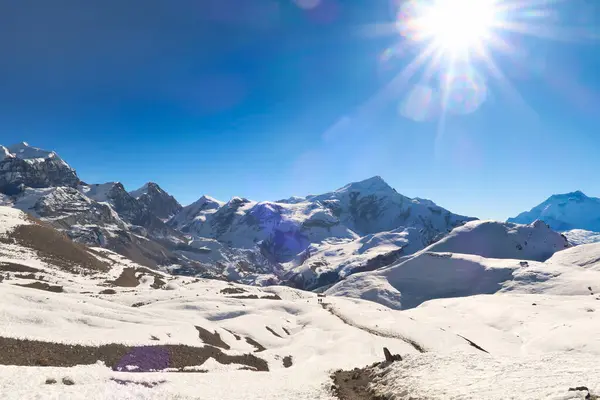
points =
(69, 207)
(157, 201)
(24, 166)
(130, 209)
(194, 214)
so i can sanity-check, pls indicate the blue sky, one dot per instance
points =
(265, 99)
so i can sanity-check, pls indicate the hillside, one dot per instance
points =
(480, 257)
(85, 323)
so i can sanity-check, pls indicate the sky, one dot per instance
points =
(267, 99)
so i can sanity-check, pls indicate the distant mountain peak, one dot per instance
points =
(24, 151)
(159, 202)
(27, 166)
(564, 212)
(148, 187)
(578, 194)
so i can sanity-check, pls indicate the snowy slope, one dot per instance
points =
(564, 212)
(502, 240)
(586, 256)
(327, 262)
(193, 214)
(454, 267)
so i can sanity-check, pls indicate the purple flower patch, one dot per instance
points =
(144, 359)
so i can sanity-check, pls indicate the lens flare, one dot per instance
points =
(455, 44)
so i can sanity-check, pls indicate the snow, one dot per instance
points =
(581, 236)
(587, 256)
(455, 266)
(28, 153)
(474, 376)
(196, 211)
(4, 153)
(139, 192)
(502, 240)
(98, 192)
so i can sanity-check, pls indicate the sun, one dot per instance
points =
(452, 27)
(459, 25)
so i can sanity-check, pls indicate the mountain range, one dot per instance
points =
(306, 242)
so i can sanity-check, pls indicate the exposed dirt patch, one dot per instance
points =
(250, 296)
(126, 279)
(126, 382)
(273, 332)
(117, 356)
(232, 290)
(12, 267)
(237, 337)
(55, 248)
(26, 276)
(354, 385)
(108, 291)
(213, 339)
(286, 331)
(44, 286)
(158, 283)
(271, 297)
(181, 359)
(259, 347)
(287, 361)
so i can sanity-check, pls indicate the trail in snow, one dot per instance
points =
(347, 321)
(421, 349)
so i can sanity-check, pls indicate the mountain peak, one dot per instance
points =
(373, 184)
(563, 212)
(575, 194)
(155, 199)
(24, 151)
(149, 187)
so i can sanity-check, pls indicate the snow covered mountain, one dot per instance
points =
(564, 212)
(24, 166)
(157, 201)
(481, 257)
(311, 240)
(40, 183)
(307, 242)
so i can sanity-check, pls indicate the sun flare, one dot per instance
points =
(452, 27)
